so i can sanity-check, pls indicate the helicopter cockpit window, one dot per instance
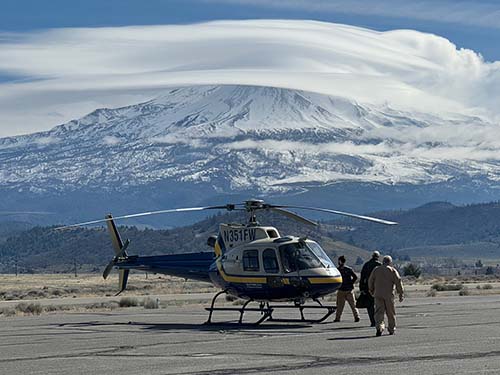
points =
(270, 261)
(297, 256)
(320, 253)
(272, 233)
(251, 260)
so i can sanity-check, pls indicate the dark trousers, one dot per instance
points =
(371, 311)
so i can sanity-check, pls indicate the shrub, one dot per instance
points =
(52, 308)
(151, 303)
(412, 270)
(128, 302)
(446, 287)
(487, 286)
(7, 311)
(36, 294)
(490, 271)
(29, 308)
(464, 292)
(101, 305)
(432, 293)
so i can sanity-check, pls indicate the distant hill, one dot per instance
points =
(42, 249)
(434, 230)
(437, 229)
(8, 228)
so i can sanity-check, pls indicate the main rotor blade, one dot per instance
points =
(26, 213)
(188, 209)
(362, 217)
(293, 215)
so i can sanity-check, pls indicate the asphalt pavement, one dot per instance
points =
(452, 335)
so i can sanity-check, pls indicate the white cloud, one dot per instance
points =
(179, 139)
(74, 71)
(384, 149)
(110, 140)
(43, 141)
(310, 148)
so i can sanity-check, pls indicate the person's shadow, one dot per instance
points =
(350, 338)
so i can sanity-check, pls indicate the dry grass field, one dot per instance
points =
(37, 286)
(33, 294)
(44, 293)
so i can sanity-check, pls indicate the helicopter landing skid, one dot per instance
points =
(329, 311)
(267, 310)
(264, 311)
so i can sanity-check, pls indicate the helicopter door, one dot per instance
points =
(272, 268)
(270, 261)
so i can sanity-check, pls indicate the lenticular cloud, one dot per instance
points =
(66, 73)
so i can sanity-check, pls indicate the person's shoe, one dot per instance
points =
(392, 333)
(356, 320)
(336, 320)
(379, 333)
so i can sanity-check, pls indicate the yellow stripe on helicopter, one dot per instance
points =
(217, 249)
(263, 280)
(326, 280)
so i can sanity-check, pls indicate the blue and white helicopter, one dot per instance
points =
(250, 261)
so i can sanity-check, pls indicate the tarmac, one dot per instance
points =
(450, 335)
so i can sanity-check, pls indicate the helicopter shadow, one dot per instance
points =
(214, 327)
(224, 326)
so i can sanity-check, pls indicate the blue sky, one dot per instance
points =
(469, 24)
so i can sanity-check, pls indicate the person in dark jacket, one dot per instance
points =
(366, 271)
(345, 292)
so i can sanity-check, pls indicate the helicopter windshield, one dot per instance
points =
(320, 253)
(297, 256)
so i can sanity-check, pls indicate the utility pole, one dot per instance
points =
(16, 263)
(74, 264)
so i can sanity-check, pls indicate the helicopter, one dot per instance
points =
(250, 261)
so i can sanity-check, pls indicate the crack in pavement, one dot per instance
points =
(320, 362)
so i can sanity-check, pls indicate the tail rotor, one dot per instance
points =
(120, 248)
(120, 256)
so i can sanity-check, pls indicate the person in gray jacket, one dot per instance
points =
(381, 284)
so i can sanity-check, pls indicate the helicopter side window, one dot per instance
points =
(251, 260)
(270, 261)
(296, 256)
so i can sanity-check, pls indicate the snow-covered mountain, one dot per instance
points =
(236, 137)
(247, 139)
